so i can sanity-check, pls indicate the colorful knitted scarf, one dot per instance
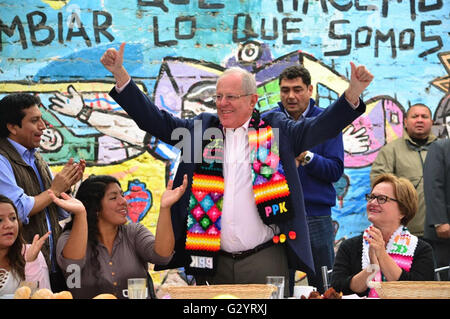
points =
(401, 247)
(271, 193)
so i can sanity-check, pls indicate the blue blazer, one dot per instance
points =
(294, 137)
(326, 168)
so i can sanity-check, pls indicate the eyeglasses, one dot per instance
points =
(381, 199)
(228, 97)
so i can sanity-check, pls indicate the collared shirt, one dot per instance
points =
(303, 115)
(242, 227)
(8, 184)
(132, 250)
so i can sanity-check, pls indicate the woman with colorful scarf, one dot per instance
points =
(386, 247)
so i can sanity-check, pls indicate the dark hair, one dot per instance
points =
(418, 105)
(296, 71)
(11, 109)
(90, 193)
(15, 256)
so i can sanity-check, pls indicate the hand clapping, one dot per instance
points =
(68, 176)
(376, 242)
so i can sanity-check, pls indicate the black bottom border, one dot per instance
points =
(219, 308)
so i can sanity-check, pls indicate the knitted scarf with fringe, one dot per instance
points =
(400, 248)
(271, 193)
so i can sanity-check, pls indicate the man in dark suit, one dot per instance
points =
(436, 182)
(237, 243)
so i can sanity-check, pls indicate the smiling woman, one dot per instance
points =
(396, 203)
(113, 206)
(387, 244)
(106, 249)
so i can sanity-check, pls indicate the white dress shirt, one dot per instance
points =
(242, 227)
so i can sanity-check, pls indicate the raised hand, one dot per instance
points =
(171, 196)
(33, 250)
(360, 79)
(68, 203)
(112, 60)
(165, 238)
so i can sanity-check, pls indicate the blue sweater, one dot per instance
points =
(318, 176)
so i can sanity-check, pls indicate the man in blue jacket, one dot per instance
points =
(318, 168)
(244, 194)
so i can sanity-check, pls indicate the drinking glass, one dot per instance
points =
(277, 281)
(137, 288)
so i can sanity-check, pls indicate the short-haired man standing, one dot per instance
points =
(25, 177)
(318, 168)
(405, 157)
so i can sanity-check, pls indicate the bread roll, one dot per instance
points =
(23, 292)
(43, 293)
(105, 296)
(63, 295)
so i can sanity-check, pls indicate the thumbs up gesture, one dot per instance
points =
(112, 60)
(359, 80)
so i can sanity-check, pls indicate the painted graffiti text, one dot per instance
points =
(41, 33)
(366, 36)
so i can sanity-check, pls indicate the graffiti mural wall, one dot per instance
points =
(175, 51)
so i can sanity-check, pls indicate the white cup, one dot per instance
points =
(300, 291)
(137, 289)
(277, 281)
